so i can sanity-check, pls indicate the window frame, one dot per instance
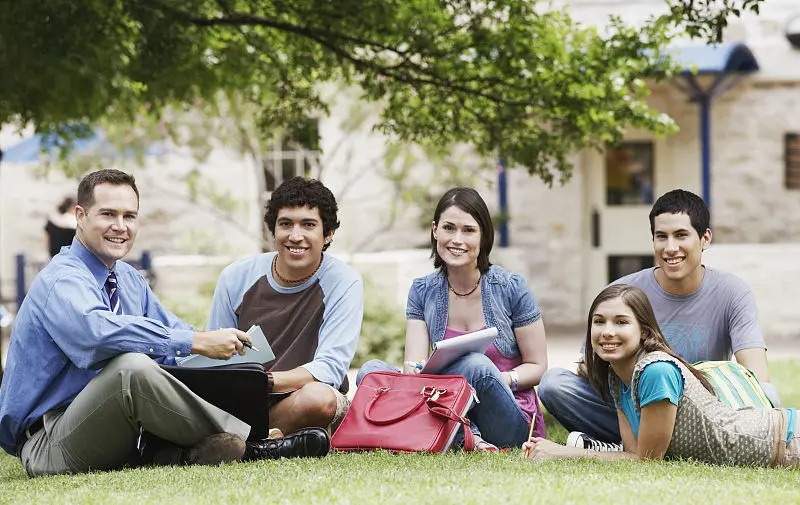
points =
(791, 161)
(652, 169)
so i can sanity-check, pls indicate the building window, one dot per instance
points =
(792, 160)
(629, 174)
(620, 266)
(285, 162)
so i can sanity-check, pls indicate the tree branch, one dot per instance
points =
(331, 41)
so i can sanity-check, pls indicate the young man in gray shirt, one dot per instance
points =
(705, 314)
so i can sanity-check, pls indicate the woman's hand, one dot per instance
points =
(540, 449)
(413, 367)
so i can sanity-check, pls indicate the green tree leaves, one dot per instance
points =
(508, 76)
(706, 19)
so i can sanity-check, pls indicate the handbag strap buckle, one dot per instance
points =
(432, 393)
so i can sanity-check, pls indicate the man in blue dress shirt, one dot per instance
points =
(82, 378)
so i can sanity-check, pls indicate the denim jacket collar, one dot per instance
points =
(494, 284)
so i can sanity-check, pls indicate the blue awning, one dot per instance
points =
(727, 64)
(725, 58)
(31, 149)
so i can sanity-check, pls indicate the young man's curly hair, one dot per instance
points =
(302, 192)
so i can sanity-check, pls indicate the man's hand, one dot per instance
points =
(224, 343)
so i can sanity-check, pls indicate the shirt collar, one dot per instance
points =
(95, 266)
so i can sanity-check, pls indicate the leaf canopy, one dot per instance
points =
(510, 77)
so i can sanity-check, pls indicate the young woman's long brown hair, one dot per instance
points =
(652, 338)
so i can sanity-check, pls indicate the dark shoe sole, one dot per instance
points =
(216, 449)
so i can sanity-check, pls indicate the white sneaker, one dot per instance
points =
(584, 441)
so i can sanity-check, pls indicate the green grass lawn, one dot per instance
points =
(456, 478)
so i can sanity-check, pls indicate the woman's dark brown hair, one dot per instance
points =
(470, 201)
(652, 338)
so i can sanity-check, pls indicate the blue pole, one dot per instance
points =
(146, 261)
(20, 279)
(502, 189)
(705, 145)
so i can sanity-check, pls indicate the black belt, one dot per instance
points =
(32, 430)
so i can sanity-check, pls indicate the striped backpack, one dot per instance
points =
(734, 385)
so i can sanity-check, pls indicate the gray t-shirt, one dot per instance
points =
(715, 321)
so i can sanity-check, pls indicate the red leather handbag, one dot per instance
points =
(406, 413)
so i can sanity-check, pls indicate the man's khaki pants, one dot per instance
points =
(99, 429)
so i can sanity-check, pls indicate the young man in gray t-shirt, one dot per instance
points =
(705, 314)
(713, 322)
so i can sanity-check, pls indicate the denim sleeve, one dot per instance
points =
(415, 308)
(661, 380)
(524, 309)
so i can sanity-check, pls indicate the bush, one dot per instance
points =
(382, 332)
(193, 307)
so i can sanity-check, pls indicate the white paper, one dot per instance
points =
(264, 353)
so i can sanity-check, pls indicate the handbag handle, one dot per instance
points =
(382, 422)
(443, 411)
(428, 396)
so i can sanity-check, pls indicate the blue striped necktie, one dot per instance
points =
(113, 293)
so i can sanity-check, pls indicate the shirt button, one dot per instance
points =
(178, 353)
(151, 349)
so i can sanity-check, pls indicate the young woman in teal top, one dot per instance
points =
(665, 407)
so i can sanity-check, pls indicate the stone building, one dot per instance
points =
(596, 228)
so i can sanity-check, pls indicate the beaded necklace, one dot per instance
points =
(462, 295)
(288, 281)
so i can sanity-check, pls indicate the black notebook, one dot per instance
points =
(242, 390)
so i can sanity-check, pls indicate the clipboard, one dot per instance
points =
(445, 352)
(262, 356)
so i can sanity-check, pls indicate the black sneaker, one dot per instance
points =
(303, 443)
(584, 441)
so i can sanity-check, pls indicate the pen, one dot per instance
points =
(530, 432)
(250, 346)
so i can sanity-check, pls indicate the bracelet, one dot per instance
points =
(514, 379)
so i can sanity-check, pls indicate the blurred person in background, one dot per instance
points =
(60, 227)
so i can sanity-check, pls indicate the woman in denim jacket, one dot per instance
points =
(467, 293)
